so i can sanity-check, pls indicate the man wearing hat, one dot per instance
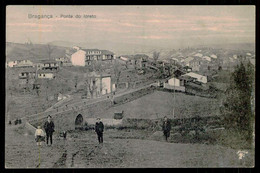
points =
(49, 129)
(99, 128)
(166, 127)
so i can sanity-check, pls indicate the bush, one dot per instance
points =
(235, 139)
(118, 116)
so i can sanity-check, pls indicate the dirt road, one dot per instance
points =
(121, 149)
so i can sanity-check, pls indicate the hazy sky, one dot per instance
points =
(149, 25)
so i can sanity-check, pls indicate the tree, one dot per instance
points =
(90, 85)
(97, 66)
(237, 104)
(117, 72)
(156, 56)
(49, 49)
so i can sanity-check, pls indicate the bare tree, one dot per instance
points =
(49, 50)
(156, 56)
(97, 66)
(90, 85)
(117, 71)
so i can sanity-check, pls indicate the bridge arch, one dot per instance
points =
(79, 122)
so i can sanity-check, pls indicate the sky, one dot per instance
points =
(144, 25)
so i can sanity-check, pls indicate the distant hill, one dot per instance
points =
(17, 51)
(232, 46)
(119, 48)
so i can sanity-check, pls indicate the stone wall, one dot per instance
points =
(133, 95)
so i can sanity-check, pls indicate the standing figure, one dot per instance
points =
(99, 128)
(166, 128)
(49, 129)
(39, 136)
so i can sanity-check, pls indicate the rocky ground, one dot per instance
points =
(121, 149)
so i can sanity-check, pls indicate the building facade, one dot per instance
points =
(85, 57)
(45, 74)
(198, 77)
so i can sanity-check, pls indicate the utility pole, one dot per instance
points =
(173, 96)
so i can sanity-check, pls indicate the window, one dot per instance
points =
(22, 74)
(43, 75)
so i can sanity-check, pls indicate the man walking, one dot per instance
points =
(49, 129)
(166, 128)
(99, 128)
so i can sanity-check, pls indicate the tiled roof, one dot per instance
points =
(103, 52)
(188, 78)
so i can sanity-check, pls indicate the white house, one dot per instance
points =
(20, 63)
(28, 73)
(124, 58)
(213, 56)
(101, 82)
(45, 74)
(195, 64)
(105, 84)
(174, 84)
(198, 55)
(199, 77)
(206, 58)
(175, 59)
(12, 63)
(78, 58)
(83, 57)
(187, 61)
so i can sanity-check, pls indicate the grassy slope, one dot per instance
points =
(161, 103)
(20, 105)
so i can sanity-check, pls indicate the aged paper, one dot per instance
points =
(130, 86)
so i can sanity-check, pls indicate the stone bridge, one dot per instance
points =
(65, 120)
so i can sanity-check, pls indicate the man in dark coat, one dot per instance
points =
(99, 128)
(166, 128)
(49, 129)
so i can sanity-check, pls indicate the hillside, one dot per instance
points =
(160, 104)
(16, 51)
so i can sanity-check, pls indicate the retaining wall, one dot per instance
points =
(133, 95)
